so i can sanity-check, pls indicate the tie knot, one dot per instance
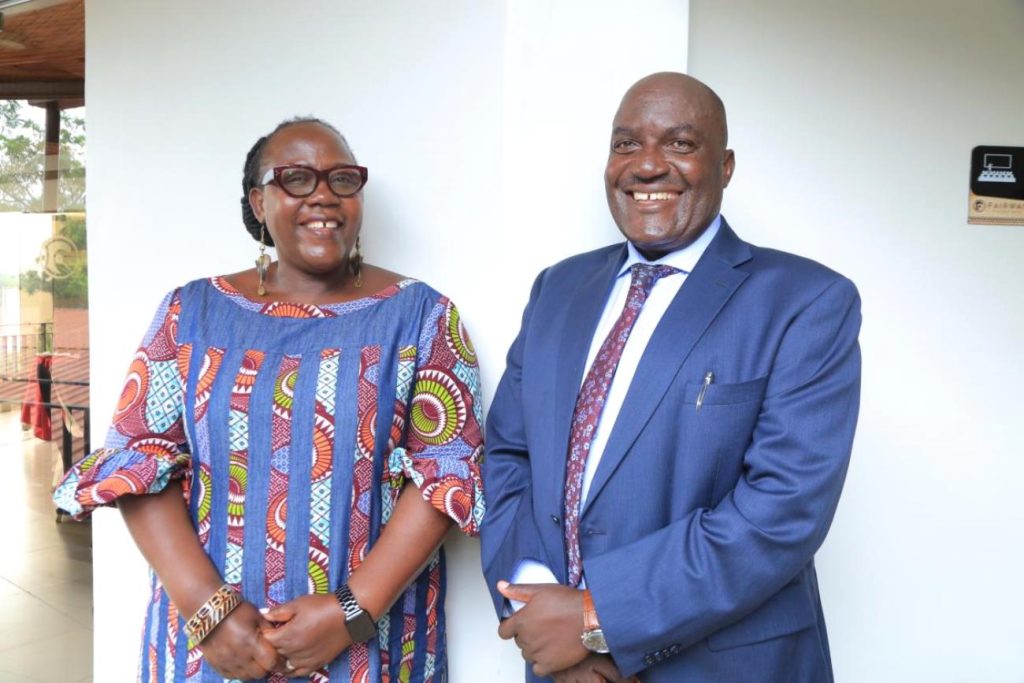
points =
(644, 275)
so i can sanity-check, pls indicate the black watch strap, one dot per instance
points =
(358, 621)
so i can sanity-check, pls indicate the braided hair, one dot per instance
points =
(250, 173)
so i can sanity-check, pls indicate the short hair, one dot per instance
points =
(251, 170)
(677, 79)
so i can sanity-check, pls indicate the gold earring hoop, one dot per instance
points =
(262, 262)
(355, 264)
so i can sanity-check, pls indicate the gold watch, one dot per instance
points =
(593, 636)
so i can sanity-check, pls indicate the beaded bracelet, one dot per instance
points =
(211, 613)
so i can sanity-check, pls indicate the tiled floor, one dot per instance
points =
(45, 570)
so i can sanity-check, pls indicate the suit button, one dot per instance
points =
(556, 519)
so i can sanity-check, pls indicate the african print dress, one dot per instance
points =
(294, 428)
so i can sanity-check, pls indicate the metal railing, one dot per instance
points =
(19, 345)
(26, 380)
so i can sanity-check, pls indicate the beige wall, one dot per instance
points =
(853, 124)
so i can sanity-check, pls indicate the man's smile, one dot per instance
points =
(654, 196)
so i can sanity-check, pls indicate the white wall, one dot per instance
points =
(484, 125)
(853, 125)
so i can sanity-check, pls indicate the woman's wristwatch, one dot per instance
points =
(357, 620)
(593, 636)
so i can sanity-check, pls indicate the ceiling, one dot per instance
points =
(42, 51)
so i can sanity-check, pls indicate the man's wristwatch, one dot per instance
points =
(593, 636)
(357, 620)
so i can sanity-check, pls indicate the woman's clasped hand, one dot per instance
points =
(294, 639)
(237, 648)
(307, 633)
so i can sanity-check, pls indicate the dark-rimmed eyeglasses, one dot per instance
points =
(343, 180)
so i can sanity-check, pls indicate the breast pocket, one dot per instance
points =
(717, 422)
(699, 395)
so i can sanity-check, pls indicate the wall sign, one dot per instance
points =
(997, 186)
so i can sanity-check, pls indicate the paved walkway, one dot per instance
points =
(45, 569)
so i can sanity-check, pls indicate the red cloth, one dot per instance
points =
(33, 413)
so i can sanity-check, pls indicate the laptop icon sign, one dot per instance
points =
(997, 169)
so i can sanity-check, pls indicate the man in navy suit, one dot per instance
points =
(668, 443)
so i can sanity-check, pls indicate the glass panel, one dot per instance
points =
(44, 329)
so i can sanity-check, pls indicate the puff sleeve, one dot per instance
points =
(444, 443)
(146, 446)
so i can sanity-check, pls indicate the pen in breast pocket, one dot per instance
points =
(708, 379)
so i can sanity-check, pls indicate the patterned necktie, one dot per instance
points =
(590, 402)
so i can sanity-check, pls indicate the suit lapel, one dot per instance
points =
(581, 317)
(707, 289)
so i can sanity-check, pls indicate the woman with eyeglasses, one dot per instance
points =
(292, 444)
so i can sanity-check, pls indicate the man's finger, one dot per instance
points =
(523, 592)
(605, 667)
(541, 670)
(508, 628)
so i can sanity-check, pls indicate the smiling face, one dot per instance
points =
(668, 164)
(314, 234)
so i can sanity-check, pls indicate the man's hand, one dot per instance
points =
(594, 669)
(548, 628)
(236, 647)
(310, 632)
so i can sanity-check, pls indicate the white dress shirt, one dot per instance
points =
(665, 289)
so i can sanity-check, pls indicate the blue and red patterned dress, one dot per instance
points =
(293, 429)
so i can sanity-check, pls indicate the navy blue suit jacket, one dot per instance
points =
(700, 528)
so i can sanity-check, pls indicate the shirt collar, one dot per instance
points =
(684, 259)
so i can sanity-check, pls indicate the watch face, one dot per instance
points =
(595, 642)
(361, 627)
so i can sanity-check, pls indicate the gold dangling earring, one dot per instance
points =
(262, 262)
(355, 264)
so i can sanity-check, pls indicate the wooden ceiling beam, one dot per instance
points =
(17, 58)
(43, 90)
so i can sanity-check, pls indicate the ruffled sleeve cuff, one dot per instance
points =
(451, 484)
(110, 473)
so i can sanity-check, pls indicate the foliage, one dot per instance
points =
(22, 162)
(22, 147)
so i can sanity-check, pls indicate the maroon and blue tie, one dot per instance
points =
(590, 403)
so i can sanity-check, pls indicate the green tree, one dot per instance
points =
(22, 160)
(22, 149)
